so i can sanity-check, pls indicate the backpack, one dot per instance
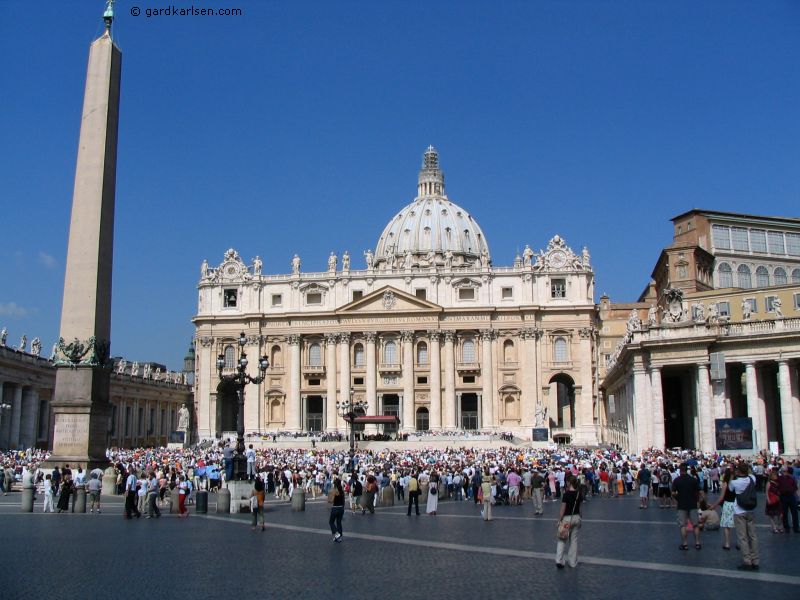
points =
(747, 499)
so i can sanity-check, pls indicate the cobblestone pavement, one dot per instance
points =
(452, 555)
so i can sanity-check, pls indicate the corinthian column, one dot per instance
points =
(408, 380)
(344, 370)
(293, 415)
(657, 396)
(752, 404)
(330, 381)
(787, 408)
(487, 400)
(372, 381)
(704, 409)
(449, 381)
(436, 381)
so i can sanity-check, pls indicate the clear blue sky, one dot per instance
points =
(299, 127)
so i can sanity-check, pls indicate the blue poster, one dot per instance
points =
(734, 434)
(540, 434)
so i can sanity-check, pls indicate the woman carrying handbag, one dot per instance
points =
(569, 525)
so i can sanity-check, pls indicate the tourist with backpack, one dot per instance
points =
(744, 486)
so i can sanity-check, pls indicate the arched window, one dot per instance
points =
(358, 355)
(762, 277)
(796, 276)
(560, 350)
(390, 353)
(422, 353)
(508, 351)
(743, 273)
(780, 276)
(230, 357)
(468, 351)
(275, 359)
(511, 407)
(423, 419)
(314, 355)
(725, 275)
(276, 411)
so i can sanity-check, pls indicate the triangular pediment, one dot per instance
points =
(389, 299)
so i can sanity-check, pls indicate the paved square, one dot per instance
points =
(452, 555)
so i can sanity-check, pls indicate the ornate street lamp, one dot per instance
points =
(240, 379)
(348, 411)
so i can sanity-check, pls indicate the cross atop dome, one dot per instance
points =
(431, 178)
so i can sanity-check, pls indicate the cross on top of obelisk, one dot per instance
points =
(108, 15)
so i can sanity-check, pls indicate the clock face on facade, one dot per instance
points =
(558, 259)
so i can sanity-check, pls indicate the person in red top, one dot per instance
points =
(787, 490)
(604, 483)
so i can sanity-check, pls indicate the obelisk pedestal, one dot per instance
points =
(81, 399)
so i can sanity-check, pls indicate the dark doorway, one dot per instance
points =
(565, 395)
(423, 420)
(768, 374)
(315, 408)
(227, 407)
(679, 418)
(736, 389)
(391, 407)
(469, 411)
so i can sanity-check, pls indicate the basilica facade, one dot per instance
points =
(427, 329)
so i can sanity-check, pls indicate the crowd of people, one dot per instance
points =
(694, 484)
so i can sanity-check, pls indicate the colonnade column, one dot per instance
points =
(705, 442)
(30, 408)
(16, 415)
(657, 397)
(293, 416)
(436, 381)
(372, 381)
(487, 397)
(5, 416)
(449, 381)
(408, 380)
(330, 380)
(344, 371)
(787, 408)
(752, 404)
(584, 406)
(642, 435)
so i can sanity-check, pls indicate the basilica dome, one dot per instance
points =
(432, 229)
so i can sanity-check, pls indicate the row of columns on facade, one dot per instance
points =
(119, 427)
(711, 404)
(19, 418)
(442, 404)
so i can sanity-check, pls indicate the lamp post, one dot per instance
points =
(240, 379)
(348, 410)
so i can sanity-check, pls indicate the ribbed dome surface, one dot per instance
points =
(432, 223)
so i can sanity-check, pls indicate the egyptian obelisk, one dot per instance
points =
(80, 403)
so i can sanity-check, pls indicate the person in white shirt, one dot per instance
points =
(250, 454)
(744, 520)
(48, 494)
(94, 487)
(130, 495)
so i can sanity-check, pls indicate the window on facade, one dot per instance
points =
(796, 301)
(753, 302)
(422, 420)
(276, 358)
(358, 355)
(277, 299)
(358, 381)
(725, 275)
(390, 353)
(795, 275)
(466, 294)
(560, 349)
(357, 294)
(313, 382)
(315, 355)
(758, 240)
(468, 379)
(743, 274)
(721, 237)
(762, 277)
(507, 293)
(724, 309)
(421, 293)
(793, 244)
(769, 303)
(508, 351)
(422, 353)
(739, 239)
(775, 242)
(558, 288)
(468, 351)
(422, 380)
(230, 357)
(780, 276)
(314, 298)
(229, 298)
